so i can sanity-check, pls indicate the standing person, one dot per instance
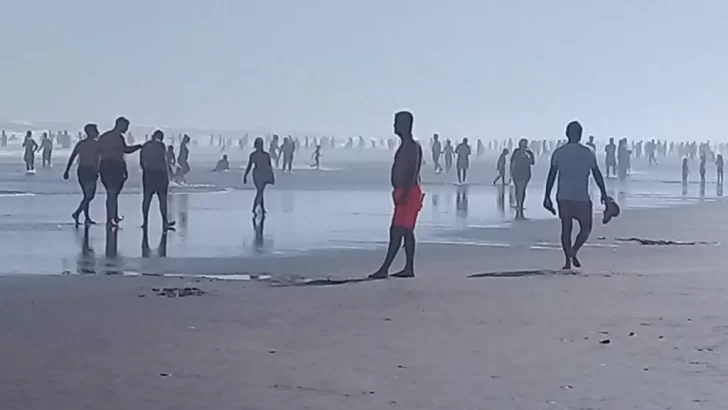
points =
(591, 144)
(436, 152)
(572, 163)
(87, 171)
(719, 168)
(448, 153)
(521, 162)
(685, 171)
(112, 168)
(3, 139)
(500, 166)
(288, 149)
(316, 156)
(703, 159)
(407, 197)
(611, 158)
(46, 145)
(30, 148)
(171, 162)
(155, 179)
(183, 164)
(463, 161)
(263, 174)
(274, 150)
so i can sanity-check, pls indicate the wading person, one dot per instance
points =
(572, 163)
(87, 171)
(521, 162)
(155, 178)
(407, 197)
(263, 175)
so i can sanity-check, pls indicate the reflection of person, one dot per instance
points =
(521, 162)
(407, 197)
(572, 163)
(263, 175)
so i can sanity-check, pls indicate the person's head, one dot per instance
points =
(45, 135)
(224, 157)
(121, 125)
(448, 142)
(523, 143)
(611, 140)
(505, 151)
(28, 134)
(436, 137)
(258, 144)
(465, 140)
(91, 130)
(591, 138)
(170, 148)
(186, 139)
(573, 132)
(157, 135)
(275, 137)
(403, 122)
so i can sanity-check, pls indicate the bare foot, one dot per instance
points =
(380, 274)
(75, 218)
(404, 273)
(576, 262)
(90, 221)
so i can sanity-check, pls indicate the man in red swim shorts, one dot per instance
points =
(407, 196)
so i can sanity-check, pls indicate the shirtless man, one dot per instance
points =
(112, 168)
(572, 163)
(155, 179)
(407, 198)
(87, 171)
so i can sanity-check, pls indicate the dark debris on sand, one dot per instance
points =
(178, 292)
(664, 242)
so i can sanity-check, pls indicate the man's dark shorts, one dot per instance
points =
(87, 175)
(155, 182)
(112, 175)
(579, 210)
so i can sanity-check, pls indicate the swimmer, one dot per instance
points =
(263, 175)
(87, 151)
(155, 179)
(222, 164)
(112, 167)
(407, 197)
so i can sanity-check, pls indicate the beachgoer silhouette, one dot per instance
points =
(407, 196)
(222, 165)
(611, 158)
(591, 144)
(719, 168)
(702, 169)
(263, 175)
(87, 171)
(171, 162)
(155, 178)
(463, 161)
(436, 152)
(183, 164)
(274, 150)
(521, 162)
(500, 166)
(316, 156)
(448, 152)
(46, 145)
(287, 150)
(30, 148)
(112, 167)
(3, 139)
(572, 163)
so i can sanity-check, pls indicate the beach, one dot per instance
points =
(489, 322)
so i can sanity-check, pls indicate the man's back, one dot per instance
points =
(574, 163)
(153, 156)
(111, 146)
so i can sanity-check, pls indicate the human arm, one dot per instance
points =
(599, 179)
(129, 149)
(247, 169)
(550, 180)
(72, 158)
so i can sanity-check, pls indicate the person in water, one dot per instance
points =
(30, 148)
(183, 165)
(719, 168)
(703, 159)
(155, 179)
(287, 150)
(500, 166)
(316, 156)
(87, 171)
(112, 167)
(572, 163)
(436, 153)
(463, 161)
(407, 196)
(448, 152)
(263, 175)
(222, 164)
(521, 162)
(46, 146)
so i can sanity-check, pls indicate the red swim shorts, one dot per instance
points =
(405, 214)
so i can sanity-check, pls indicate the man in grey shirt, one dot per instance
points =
(572, 163)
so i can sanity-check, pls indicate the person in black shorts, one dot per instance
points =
(112, 167)
(87, 151)
(155, 178)
(572, 163)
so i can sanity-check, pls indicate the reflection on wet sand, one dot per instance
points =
(461, 201)
(702, 190)
(500, 200)
(258, 228)
(86, 260)
(111, 264)
(161, 249)
(184, 205)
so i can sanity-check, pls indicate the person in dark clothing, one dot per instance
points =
(155, 179)
(30, 147)
(436, 153)
(521, 162)
(183, 165)
(262, 167)
(463, 160)
(87, 151)
(46, 146)
(500, 166)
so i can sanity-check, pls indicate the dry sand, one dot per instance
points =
(441, 341)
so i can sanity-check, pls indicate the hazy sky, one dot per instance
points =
(640, 68)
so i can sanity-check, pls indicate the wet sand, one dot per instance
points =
(517, 335)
